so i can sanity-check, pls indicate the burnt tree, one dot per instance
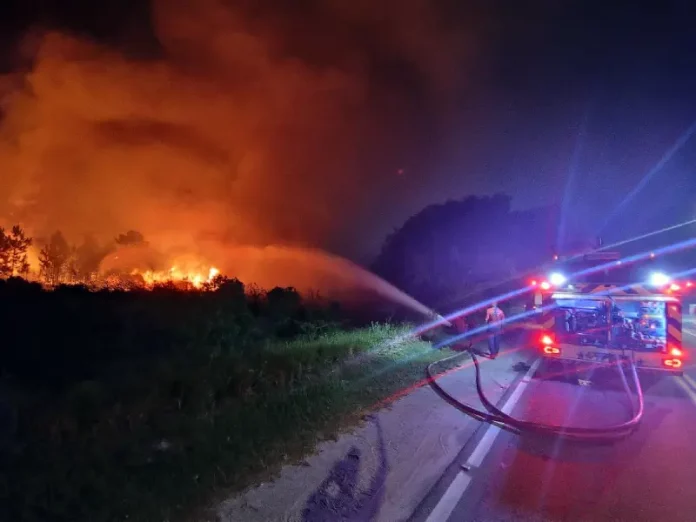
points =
(54, 259)
(13, 252)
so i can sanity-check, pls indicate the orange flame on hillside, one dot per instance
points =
(176, 274)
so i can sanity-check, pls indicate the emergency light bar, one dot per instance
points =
(659, 279)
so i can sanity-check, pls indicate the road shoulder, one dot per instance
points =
(385, 468)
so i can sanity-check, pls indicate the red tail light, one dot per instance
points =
(676, 355)
(672, 363)
(549, 348)
(545, 285)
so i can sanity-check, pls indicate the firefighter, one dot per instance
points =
(494, 319)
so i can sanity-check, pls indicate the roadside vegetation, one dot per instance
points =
(145, 405)
(125, 398)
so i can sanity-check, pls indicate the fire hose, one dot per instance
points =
(495, 416)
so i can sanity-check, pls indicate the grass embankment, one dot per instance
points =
(178, 443)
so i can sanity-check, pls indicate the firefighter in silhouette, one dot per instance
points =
(494, 319)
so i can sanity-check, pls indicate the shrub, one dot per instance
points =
(112, 401)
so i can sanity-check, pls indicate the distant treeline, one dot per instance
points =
(453, 249)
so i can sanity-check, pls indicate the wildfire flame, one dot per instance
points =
(176, 274)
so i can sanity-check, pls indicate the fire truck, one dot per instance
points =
(589, 310)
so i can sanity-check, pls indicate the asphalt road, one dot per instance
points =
(650, 476)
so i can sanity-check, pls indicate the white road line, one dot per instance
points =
(486, 443)
(689, 331)
(687, 390)
(690, 381)
(448, 501)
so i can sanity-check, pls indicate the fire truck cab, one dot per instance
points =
(589, 318)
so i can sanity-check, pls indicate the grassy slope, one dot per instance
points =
(238, 422)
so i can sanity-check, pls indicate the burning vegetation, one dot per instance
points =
(175, 274)
(130, 262)
(126, 263)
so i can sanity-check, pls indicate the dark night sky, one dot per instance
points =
(540, 80)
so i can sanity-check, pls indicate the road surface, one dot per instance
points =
(650, 476)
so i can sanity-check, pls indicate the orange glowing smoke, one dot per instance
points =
(241, 126)
(236, 137)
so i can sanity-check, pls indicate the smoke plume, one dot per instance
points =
(248, 127)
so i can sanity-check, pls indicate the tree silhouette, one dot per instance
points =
(13, 252)
(54, 258)
(457, 247)
(4, 254)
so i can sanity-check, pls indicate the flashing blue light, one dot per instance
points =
(557, 279)
(659, 279)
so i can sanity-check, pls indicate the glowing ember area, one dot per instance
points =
(175, 274)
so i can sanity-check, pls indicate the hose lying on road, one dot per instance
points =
(503, 420)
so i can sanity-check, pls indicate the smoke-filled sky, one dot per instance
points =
(329, 122)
